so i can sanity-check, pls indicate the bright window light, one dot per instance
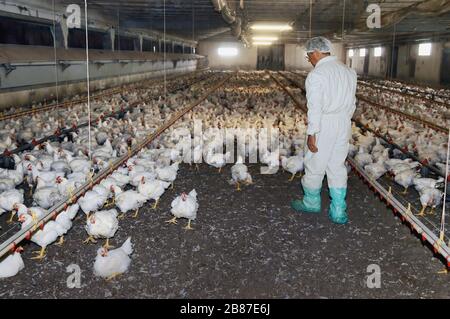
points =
(425, 49)
(362, 52)
(271, 27)
(377, 52)
(228, 52)
(351, 53)
(267, 38)
(154, 48)
(262, 43)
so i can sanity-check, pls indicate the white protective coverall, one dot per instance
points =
(330, 92)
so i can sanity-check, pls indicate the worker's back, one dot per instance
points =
(338, 85)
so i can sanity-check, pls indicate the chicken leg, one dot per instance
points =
(90, 239)
(30, 189)
(422, 211)
(405, 191)
(135, 215)
(292, 177)
(220, 169)
(155, 205)
(238, 186)
(188, 227)
(10, 220)
(111, 203)
(114, 275)
(121, 216)
(107, 245)
(41, 254)
(431, 211)
(172, 221)
(444, 271)
(60, 242)
(171, 186)
(197, 167)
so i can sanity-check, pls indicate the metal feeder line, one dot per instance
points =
(11, 243)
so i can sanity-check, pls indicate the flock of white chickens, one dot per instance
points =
(250, 101)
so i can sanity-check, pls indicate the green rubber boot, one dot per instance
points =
(338, 206)
(311, 202)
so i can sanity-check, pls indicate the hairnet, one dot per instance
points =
(320, 44)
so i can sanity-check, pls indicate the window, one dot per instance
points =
(362, 52)
(13, 31)
(377, 52)
(351, 53)
(228, 52)
(425, 49)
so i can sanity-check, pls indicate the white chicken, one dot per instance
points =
(152, 189)
(239, 173)
(430, 197)
(128, 200)
(12, 264)
(184, 206)
(218, 160)
(293, 164)
(8, 199)
(111, 263)
(92, 201)
(406, 179)
(421, 183)
(64, 219)
(47, 196)
(102, 224)
(169, 173)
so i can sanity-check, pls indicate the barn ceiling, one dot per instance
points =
(197, 19)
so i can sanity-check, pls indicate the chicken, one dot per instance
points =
(421, 183)
(44, 237)
(64, 219)
(430, 197)
(128, 200)
(218, 160)
(362, 158)
(47, 196)
(375, 170)
(169, 173)
(92, 201)
(102, 224)
(8, 199)
(184, 206)
(152, 189)
(293, 164)
(405, 178)
(12, 264)
(111, 263)
(239, 173)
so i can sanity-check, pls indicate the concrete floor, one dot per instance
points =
(247, 244)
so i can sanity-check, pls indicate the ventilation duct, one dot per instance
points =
(229, 16)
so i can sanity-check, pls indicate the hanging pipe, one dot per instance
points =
(11, 243)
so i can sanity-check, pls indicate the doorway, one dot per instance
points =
(445, 67)
(271, 57)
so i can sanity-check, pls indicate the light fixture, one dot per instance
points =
(271, 27)
(377, 52)
(262, 43)
(425, 49)
(265, 38)
(227, 52)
